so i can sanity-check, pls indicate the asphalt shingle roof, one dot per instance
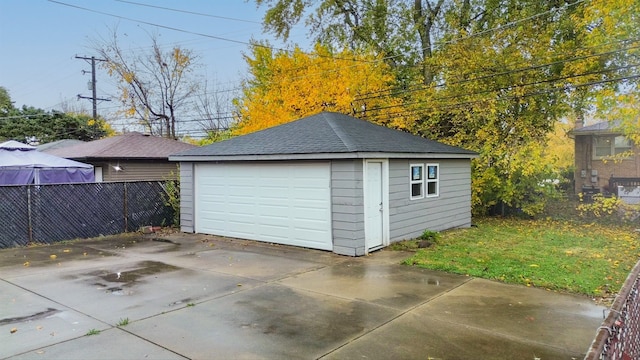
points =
(133, 145)
(325, 133)
(58, 144)
(601, 127)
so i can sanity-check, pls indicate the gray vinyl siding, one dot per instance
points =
(407, 218)
(347, 207)
(451, 209)
(187, 214)
(141, 170)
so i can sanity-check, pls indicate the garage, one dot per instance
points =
(328, 181)
(279, 202)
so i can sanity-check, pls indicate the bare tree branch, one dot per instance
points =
(154, 86)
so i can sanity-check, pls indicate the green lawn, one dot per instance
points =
(588, 259)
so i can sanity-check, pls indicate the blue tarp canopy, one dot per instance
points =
(21, 164)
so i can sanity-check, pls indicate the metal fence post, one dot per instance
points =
(29, 224)
(51, 213)
(126, 212)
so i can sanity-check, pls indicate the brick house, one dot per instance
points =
(595, 170)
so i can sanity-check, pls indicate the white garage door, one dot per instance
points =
(285, 203)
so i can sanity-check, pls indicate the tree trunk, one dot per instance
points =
(424, 21)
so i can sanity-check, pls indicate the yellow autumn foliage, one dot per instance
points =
(128, 77)
(181, 58)
(560, 149)
(286, 86)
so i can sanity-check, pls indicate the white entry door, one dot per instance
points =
(374, 202)
(284, 203)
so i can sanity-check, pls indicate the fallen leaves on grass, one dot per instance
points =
(589, 259)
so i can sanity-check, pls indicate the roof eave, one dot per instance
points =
(595, 132)
(114, 158)
(322, 156)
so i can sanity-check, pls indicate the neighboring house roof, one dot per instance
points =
(133, 145)
(604, 127)
(325, 135)
(59, 144)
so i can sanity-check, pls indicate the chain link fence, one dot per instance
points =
(619, 335)
(52, 213)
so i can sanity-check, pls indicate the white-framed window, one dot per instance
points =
(433, 180)
(416, 181)
(604, 146)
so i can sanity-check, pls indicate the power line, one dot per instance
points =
(229, 115)
(149, 23)
(443, 42)
(256, 44)
(472, 35)
(24, 116)
(488, 31)
(400, 90)
(508, 25)
(501, 27)
(511, 86)
(507, 97)
(189, 12)
(403, 90)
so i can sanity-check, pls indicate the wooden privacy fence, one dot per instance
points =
(52, 213)
(619, 335)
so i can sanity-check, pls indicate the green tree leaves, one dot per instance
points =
(493, 76)
(33, 125)
(36, 126)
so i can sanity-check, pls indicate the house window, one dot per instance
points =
(610, 145)
(417, 181)
(433, 179)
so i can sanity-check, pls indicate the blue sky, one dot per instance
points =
(39, 40)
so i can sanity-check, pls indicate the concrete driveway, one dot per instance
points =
(201, 297)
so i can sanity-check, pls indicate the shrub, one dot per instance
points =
(171, 198)
(429, 235)
(607, 208)
(599, 207)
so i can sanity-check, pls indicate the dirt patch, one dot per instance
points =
(46, 255)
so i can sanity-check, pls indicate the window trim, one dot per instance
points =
(435, 180)
(412, 182)
(612, 146)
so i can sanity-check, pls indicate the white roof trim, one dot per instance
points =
(321, 156)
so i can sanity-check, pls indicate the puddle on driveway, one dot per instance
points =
(128, 277)
(115, 282)
(165, 241)
(282, 312)
(359, 272)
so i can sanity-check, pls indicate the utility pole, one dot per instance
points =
(94, 98)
